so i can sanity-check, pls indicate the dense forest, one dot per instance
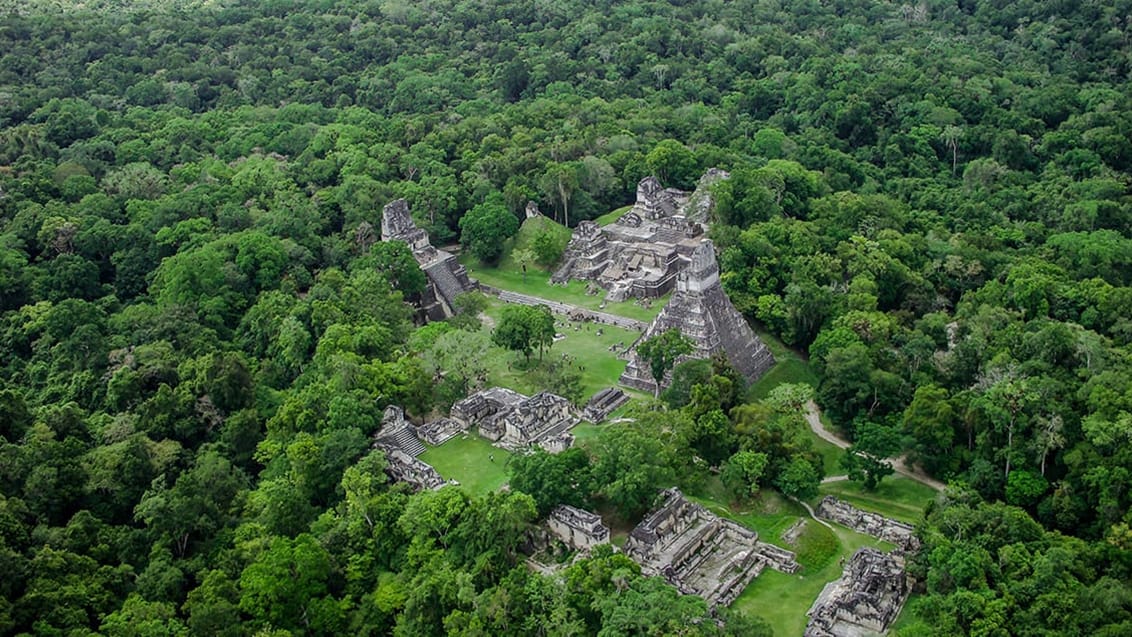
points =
(199, 331)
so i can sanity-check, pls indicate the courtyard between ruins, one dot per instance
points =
(821, 549)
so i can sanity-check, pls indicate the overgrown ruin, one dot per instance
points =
(579, 529)
(864, 601)
(447, 279)
(701, 553)
(869, 523)
(603, 403)
(701, 310)
(398, 439)
(514, 421)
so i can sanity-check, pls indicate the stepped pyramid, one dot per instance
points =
(447, 279)
(701, 310)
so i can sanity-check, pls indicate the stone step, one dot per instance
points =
(408, 442)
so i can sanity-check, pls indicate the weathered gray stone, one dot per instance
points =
(447, 279)
(865, 601)
(440, 431)
(579, 529)
(603, 403)
(701, 311)
(515, 421)
(873, 524)
(700, 553)
(397, 433)
(640, 254)
(405, 468)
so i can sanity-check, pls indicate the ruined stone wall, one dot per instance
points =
(873, 524)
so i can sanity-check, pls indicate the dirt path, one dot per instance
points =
(810, 510)
(813, 416)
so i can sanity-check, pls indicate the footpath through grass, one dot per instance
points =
(467, 458)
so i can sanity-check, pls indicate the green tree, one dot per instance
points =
(865, 460)
(286, 587)
(523, 328)
(673, 164)
(552, 479)
(742, 472)
(630, 467)
(485, 228)
(661, 352)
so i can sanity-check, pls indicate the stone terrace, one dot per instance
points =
(700, 553)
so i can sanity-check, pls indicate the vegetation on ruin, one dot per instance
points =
(199, 327)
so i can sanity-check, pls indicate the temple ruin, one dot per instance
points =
(603, 403)
(579, 529)
(865, 601)
(701, 310)
(869, 523)
(700, 553)
(398, 439)
(640, 254)
(447, 279)
(514, 421)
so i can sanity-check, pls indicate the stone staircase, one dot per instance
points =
(406, 440)
(447, 286)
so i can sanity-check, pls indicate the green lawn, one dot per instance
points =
(467, 459)
(600, 367)
(537, 283)
(612, 216)
(897, 497)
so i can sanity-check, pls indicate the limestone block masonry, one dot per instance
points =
(865, 601)
(700, 553)
(447, 279)
(701, 311)
(580, 529)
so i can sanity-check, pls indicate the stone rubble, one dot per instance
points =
(398, 439)
(640, 254)
(603, 403)
(579, 529)
(514, 421)
(864, 601)
(869, 523)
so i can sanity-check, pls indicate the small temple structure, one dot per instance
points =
(447, 279)
(701, 553)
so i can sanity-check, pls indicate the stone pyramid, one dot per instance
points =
(447, 279)
(701, 310)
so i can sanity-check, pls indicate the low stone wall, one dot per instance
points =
(873, 524)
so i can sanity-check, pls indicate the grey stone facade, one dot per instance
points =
(447, 279)
(701, 310)
(514, 421)
(581, 530)
(405, 468)
(603, 403)
(640, 254)
(700, 553)
(865, 601)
